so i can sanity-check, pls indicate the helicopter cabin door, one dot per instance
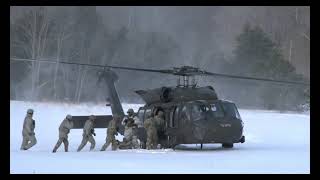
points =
(174, 117)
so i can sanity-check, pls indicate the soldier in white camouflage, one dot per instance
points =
(28, 134)
(131, 123)
(64, 130)
(88, 131)
(112, 131)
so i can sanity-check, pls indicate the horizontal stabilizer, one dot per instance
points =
(100, 122)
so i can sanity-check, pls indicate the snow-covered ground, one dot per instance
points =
(275, 143)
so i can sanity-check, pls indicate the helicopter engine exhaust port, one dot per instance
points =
(166, 94)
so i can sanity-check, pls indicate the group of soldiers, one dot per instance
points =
(153, 125)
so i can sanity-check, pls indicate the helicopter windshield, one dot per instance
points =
(231, 110)
(216, 110)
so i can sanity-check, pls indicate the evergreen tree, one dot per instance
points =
(258, 56)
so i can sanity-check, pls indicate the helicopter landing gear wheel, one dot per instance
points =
(227, 145)
(172, 142)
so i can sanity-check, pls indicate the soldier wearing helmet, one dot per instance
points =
(151, 130)
(64, 130)
(28, 134)
(160, 125)
(111, 132)
(88, 131)
(131, 123)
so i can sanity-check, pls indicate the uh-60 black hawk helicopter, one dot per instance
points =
(193, 115)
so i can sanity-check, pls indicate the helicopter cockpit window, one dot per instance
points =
(231, 110)
(217, 110)
(185, 113)
(213, 108)
(198, 110)
(203, 108)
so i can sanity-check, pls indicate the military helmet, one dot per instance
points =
(30, 111)
(92, 117)
(69, 116)
(130, 111)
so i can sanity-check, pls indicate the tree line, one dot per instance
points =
(78, 34)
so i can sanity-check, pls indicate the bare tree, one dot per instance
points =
(63, 32)
(31, 35)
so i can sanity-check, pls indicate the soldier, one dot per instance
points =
(152, 136)
(132, 115)
(88, 131)
(160, 124)
(64, 130)
(28, 131)
(130, 132)
(111, 132)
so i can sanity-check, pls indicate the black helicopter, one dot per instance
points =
(193, 115)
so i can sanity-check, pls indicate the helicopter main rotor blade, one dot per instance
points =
(95, 65)
(184, 71)
(141, 69)
(253, 78)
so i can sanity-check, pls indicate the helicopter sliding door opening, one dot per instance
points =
(140, 114)
(198, 110)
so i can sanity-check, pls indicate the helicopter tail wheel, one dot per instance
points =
(172, 142)
(227, 145)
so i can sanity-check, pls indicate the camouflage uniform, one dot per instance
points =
(64, 130)
(152, 136)
(28, 131)
(160, 122)
(111, 132)
(88, 131)
(130, 131)
(160, 125)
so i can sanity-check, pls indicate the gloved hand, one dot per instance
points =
(94, 134)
